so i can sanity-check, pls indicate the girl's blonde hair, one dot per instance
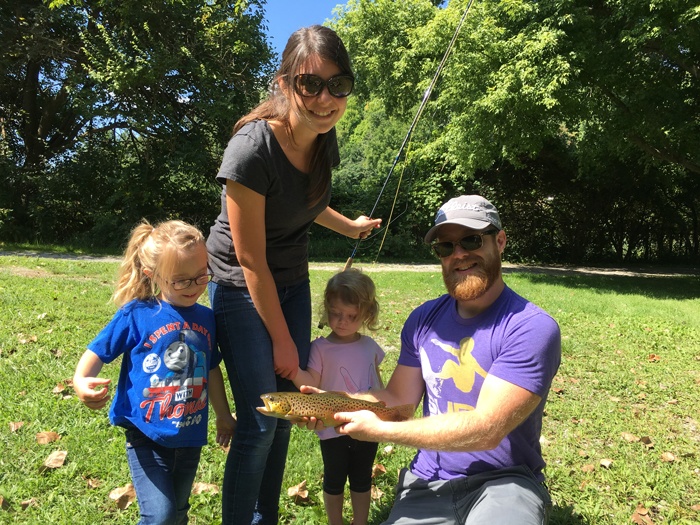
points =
(354, 288)
(156, 250)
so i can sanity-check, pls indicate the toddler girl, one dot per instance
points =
(348, 361)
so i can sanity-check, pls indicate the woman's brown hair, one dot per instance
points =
(304, 43)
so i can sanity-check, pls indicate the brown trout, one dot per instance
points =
(295, 405)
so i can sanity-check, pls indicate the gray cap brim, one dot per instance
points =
(468, 223)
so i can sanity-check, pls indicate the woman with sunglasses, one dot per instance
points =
(276, 178)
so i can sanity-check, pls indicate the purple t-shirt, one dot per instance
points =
(513, 340)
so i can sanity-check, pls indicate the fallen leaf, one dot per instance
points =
(4, 505)
(641, 516)
(654, 358)
(376, 493)
(388, 450)
(55, 460)
(201, 488)
(378, 469)
(647, 441)
(123, 496)
(299, 493)
(93, 483)
(606, 463)
(588, 468)
(59, 388)
(630, 438)
(31, 502)
(44, 438)
(27, 339)
(696, 508)
(558, 391)
(668, 457)
(16, 425)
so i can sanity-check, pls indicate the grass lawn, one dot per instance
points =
(621, 434)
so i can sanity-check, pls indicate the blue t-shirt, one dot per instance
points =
(168, 352)
(513, 340)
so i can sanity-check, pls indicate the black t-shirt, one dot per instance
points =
(256, 160)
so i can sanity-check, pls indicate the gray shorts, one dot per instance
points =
(499, 497)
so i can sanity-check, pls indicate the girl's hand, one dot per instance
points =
(364, 226)
(306, 389)
(85, 390)
(225, 428)
(310, 423)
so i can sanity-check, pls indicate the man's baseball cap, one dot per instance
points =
(472, 211)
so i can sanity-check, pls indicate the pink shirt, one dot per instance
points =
(348, 367)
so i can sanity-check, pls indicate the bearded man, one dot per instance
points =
(482, 359)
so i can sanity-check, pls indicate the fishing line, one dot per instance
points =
(407, 138)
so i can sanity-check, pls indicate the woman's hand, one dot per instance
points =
(364, 226)
(358, 228)
(286, 359)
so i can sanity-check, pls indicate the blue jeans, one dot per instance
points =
(162, 478)
(258, 453)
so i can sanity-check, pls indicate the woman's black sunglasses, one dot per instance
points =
(340, 86)
(468, 243)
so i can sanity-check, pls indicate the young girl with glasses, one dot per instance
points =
(169, 370)
(348, 361)
(276, 182)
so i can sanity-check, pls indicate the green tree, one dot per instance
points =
(607, 93)
(163, 81)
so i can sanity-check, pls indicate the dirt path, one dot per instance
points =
(434, 267)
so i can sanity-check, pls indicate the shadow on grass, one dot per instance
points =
(558, 516)
(677, 286)
(566, 516)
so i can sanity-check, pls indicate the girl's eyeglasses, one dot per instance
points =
(468, 243)
(340, 86)
(186, 283)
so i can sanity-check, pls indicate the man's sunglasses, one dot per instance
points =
(468, 243)
(340, 86)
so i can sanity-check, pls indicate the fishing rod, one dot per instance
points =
(406, 139)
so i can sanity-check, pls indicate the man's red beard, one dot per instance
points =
(475, 284)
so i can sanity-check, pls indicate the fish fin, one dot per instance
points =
(402, 412)
(378, 404)
(339, 393)
(272, 413)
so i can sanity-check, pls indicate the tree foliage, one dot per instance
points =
(581, 120)
(133, 98)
